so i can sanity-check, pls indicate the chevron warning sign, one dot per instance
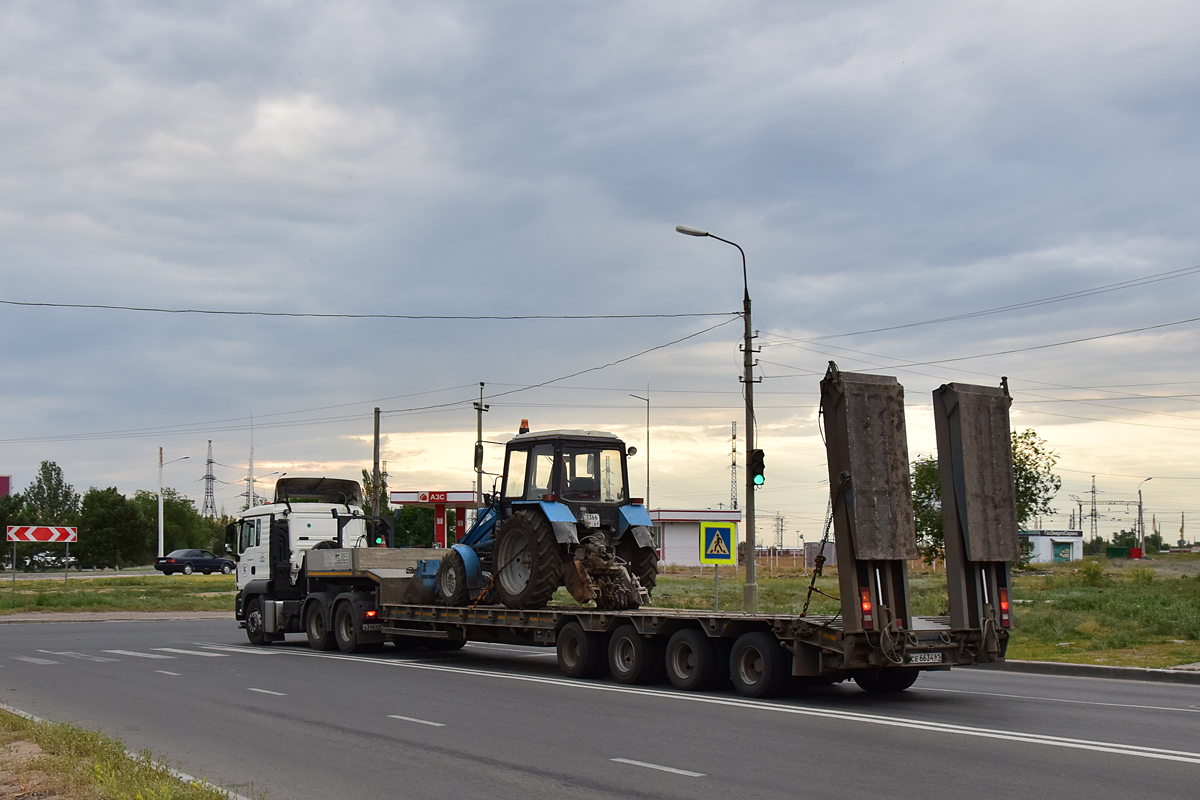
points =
(42, 533)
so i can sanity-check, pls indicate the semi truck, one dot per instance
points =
(306, 563)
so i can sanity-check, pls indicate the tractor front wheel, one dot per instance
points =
(528, 564)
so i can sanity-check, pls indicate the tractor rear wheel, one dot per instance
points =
(528, 565)
(643, 562)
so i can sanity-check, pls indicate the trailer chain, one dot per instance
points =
(819, 561)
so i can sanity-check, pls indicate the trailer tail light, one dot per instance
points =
(1005, 614)
(370, 613)
(868, 610)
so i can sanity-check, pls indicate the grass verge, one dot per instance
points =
(136, 593)
(48, 759)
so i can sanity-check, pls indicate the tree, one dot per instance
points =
(50, 499)
(1154, 543)
(1033, 476)
(13, 512)
(927, 508)
(368, 484)
(113, 531)
(414, 527)
(1095, 546)
(1125, 538)
(182, 524)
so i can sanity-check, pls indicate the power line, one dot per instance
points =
(321, 315)
(1111, 287)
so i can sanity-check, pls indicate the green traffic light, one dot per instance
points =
(759, 480)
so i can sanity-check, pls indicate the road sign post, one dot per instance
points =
(718, 545)
(41, 533)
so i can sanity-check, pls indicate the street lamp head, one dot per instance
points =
(688, 230)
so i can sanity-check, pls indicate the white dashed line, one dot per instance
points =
(267, 691)
(189, 652)
(80, 656)
(34, 660)
(418, 721)
(658, 767)
(136, 654)
(164, 672)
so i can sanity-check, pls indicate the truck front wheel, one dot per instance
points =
(528, 565)
(255, 631)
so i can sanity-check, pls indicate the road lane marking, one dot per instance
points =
(135, 654)
(418, 721)
(774, 707)
(188, 652)
(1192, 710)
(80, 656)
(266, 691)
(659, 767)
(236, 649)
(35, 660)
(164, 672)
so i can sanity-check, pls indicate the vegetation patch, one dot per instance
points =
(137, 593)
(52, 760)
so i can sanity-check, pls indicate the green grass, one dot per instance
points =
(87, 764)
(138, 593)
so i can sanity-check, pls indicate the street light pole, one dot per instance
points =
(646, 400)
(750, 593)
(1141, 523)
(160, 498)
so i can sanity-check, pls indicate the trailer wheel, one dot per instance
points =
(254, 623)
(451, 581)
(581, 654)
(643, 562)
(887, 680)
(632, 658)
(758, 665)
(691, 660)
(528, 562)
(345, 627)
(316, 627)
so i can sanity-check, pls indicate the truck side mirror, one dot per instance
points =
(631, 452)
(230, 537)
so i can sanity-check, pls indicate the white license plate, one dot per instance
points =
(925, 658)
(372, 626)
(591, 520)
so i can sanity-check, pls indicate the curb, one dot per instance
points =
(111, 616)
(1095, 671)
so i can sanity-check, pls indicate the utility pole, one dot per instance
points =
(480, 407)
(209, 509)
(250, 477)
(646, 400)
(733, 470)
(160, 506)
(375, 470)
(1095, 517)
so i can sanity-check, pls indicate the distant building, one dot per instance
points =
(1054, 547)
(677, 532)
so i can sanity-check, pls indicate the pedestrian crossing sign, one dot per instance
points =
(718, 543)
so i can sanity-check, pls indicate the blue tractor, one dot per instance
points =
(562, 517)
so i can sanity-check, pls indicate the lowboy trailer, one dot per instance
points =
(359, 598)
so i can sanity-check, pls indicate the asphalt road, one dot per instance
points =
(493, 721)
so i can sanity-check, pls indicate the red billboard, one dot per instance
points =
(5, 485)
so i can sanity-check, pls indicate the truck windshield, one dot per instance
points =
(593, 473)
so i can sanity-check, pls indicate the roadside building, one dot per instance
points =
(677, 532)
(1054, 547)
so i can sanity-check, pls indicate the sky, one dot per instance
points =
(937, 191)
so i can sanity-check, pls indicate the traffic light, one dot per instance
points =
(756, 468)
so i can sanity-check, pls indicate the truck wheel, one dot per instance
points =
(527, 560)
(632, 657)
(317, 628)
(643, 562)
(691, 660)
(887, 680)
(345, 627)
(758, 665)
(581, 654)
(451, 581)
(254, 623)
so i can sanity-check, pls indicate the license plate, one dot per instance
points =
(925, 658)
(591, 520)
(372, 626)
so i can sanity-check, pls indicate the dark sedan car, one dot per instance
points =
(189, 561)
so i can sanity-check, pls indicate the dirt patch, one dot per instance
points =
(21, 780)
